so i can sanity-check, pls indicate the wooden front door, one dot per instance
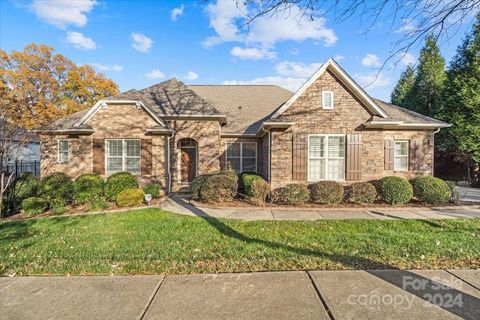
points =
(188, 164)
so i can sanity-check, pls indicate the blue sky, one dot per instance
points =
(140, 43)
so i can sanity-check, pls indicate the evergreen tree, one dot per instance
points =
(460, 103)
(429, 81)
(402, 90)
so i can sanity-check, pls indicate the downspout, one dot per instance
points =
(268, 156)
(433, 158)
(169, 187)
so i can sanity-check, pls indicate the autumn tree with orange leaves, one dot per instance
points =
(38, 86)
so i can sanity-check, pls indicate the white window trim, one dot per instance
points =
(401, 156)
(58, 151)
(124, 155)
(179, 163)
(331, 101)
(241, 154)
(325, 156)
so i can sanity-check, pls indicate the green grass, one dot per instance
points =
(155, 241)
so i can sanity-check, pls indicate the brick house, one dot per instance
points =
(329, 129)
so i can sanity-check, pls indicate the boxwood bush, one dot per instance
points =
(34, 205)
(247, 179)
(362, 192)
(326, 192)
(395, 190)
(431, 190)
(293, 193)
(197, 184)
(57, 188)
(153, 189)
(118, 182)
(218, 187)
(130, 197)
(24, 186)
(89, 188)
(260, 191)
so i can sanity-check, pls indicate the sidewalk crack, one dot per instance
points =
(157, 288)
(322, 300)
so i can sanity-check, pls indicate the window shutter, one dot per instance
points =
(415, 154)
(354, 157)
(389, 154)
(98, 150)
(146, 145)
(299, 157)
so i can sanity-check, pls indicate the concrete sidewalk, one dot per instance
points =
(388, 294)
(181, 205)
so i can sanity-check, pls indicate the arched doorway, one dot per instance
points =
(188, 159)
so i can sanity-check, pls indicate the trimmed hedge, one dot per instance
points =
(153, 189)
(431, 190)
(293, 193)
(25, 186)
(247, 180)
(118, 182)
(130, 197)
(218, 187)
(89, 188)
(197, 184)
(362, 192)
(395, 190)
(57, 188)
(326, 192)
(34, 205)
(260, 190)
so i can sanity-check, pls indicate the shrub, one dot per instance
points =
(34, 205)
(293, 193)
(451, 185)
(89, 188)
(395, 190)
(363, 192)
(218, 187)
(247, 180)
(260, 190)
(97, 205)
(431, 190)
(118, 182)
(57, 188)
(197, 184)
(24, 186)
(326, 192)
(130, 197)
(153, 189)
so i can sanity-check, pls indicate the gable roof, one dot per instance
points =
(345, 78)
(245, 106)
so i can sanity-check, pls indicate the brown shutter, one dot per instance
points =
(415, 154)
(299, 157)
(98, 156)
(354, 157)
(389, 154)
(146, 156)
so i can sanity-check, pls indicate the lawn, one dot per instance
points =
(154, 241)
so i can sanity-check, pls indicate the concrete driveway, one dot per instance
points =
(388, 294)
(469, 194)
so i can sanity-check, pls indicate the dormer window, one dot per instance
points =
(327, 99)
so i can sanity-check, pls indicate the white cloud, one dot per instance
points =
(79, 41)
(226, 18)
(155, 74)
(176, 12)
(294, 51)
(296, 69)
(191, 76)
(61, 13)
(407, 25)
(141, 42)
(372, 80)
(339, 58)
(286, 82)
(107, 67)
(371, 60)
(407, 58)
(253, 53)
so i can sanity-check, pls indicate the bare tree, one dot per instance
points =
(413, 19)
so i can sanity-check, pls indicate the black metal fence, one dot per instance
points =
(19, 167)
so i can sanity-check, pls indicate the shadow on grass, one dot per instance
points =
(468, 309)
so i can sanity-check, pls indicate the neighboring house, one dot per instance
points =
(330, 129)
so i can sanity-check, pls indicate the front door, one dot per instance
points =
(188, 165)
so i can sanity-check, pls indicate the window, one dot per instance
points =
(327, 99)
(326, 157)
(123, 155)
(400, 156)
(242, 156)
(63, 151)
